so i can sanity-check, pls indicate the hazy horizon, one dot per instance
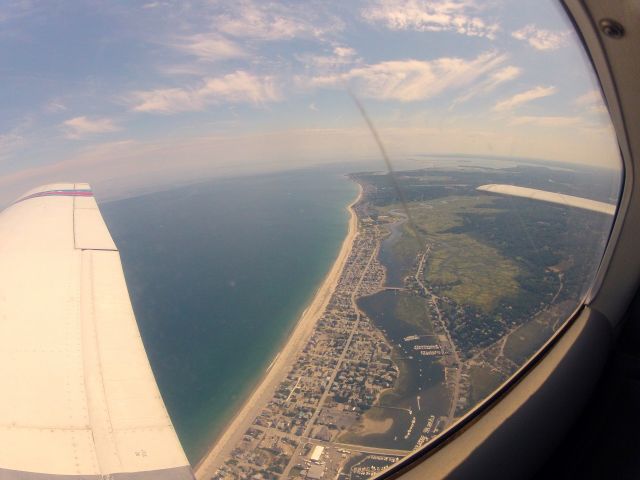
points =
(149, 94)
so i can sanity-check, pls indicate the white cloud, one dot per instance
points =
(9, 142)
(547, 121)
(18, 137)
(592, 96)
(489, 84)
(55, 106)
(344, 52)
(237, 87)
(15, 10)
(192, 69)
(339, 57)
(209, 47)
(78, 127)
(592, 101)
(524, 97)
(431, 16)
(541, 39)
(271, 21)
(411, 80)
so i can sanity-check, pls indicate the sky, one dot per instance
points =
(136, 96)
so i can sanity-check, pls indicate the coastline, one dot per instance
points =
(278, 368)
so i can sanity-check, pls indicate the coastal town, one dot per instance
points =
(339, 374)
(341, 371)
(386, 358)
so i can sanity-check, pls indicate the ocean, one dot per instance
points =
(218, 274)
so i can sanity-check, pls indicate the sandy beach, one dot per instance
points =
(234, 432)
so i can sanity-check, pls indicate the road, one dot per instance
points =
(362, 448)
(336, 369)
(434, 303)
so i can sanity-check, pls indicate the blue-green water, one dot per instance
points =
(218, 274)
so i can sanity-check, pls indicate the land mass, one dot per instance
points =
(434, 300)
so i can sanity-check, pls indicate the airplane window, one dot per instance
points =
(341, 225)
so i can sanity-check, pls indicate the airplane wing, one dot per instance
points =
(551, 197)
(78, 399)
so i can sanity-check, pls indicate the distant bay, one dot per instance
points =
(218, 274)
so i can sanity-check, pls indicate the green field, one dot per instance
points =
(471, 272)
(528, 338)
(475, 274)
(483, 380)
(414, 310)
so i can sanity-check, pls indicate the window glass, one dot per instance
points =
(342, 224)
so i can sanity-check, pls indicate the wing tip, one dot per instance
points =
(57, 190)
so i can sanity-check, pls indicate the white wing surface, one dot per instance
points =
(551, 197)
(78, 399)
